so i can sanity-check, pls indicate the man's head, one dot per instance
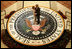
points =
(36, 5)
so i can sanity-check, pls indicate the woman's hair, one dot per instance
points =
(33, 7)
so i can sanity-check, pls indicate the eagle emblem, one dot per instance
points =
(36, 27)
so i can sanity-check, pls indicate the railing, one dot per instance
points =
(68, 22)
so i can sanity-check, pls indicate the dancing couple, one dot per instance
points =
(36, 13)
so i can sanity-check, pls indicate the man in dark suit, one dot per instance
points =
(37, 13)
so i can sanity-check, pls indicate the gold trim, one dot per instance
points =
(42, 44)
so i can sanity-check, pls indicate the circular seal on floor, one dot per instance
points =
(21, 27)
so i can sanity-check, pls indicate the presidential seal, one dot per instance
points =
(25, 28)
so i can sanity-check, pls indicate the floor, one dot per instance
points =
(66, 3)
(6, 4)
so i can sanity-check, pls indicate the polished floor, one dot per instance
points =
(6, 4)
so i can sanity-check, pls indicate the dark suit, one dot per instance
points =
(38, 14)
